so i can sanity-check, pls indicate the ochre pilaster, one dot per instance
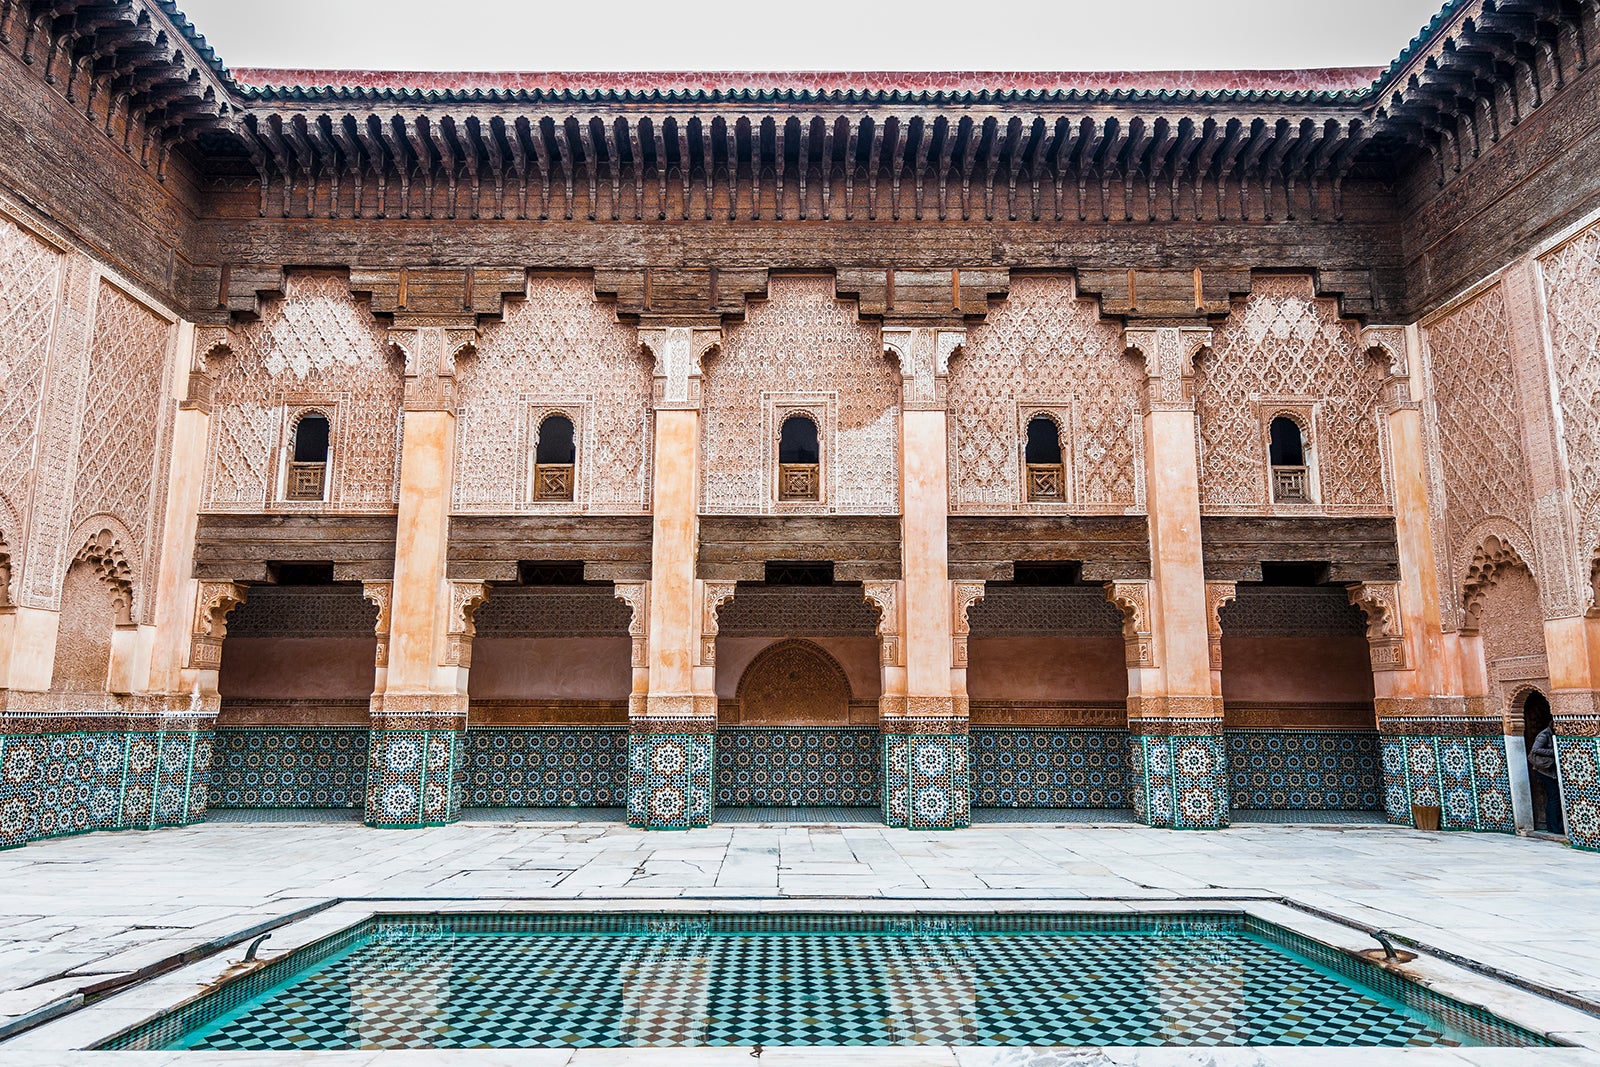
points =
(1177, 755)
(926, 772)
(179, 597)
(1572, 646)
(419, 714)
(672, 723)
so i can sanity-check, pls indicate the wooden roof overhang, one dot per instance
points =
(1478, 67)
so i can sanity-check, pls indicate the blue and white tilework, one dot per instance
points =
(1464, 776)
(68, 783)
(771, 766)
(1180, 782)
(547, 767)
(1029, 767)
(1578, 759)
(669, 779)
(1305, 770)
(294, 767)
(927, 780)
(414, 778)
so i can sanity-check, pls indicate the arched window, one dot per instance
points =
(1286, 451)
(308, 462)
(554, 459)
(1046, 474)
(798, 459)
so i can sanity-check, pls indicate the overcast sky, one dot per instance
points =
(775, 35)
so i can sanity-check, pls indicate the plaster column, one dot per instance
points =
(672, 729)
(927, 779)
(1561, 566)
(1178, 756)
(1441, 747)
(419, 715)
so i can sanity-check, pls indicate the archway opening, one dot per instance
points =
(799, 460)
(1542, 780)
(1299, 713)
(1042, 454)
(1047, 683)
(555, 460)
(797, 686)
(296, 682)
(1286, 452)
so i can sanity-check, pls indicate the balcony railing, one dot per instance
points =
(799, 481)
(552, 481)
(1290, 485)
(1047, 482)
(307, 481)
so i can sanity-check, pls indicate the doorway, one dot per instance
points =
(1535, 720)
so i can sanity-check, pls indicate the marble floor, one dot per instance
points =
(85, 913)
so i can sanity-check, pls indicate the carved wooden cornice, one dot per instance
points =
(895, 152)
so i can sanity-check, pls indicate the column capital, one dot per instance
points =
(460, 625)
(1169, 353)
(213, 602)
(430, 352)
(713, 595)
(1380, 604)
(1132, 598)
(380, 594)
(885, 596)
(1389, 347)
(678, 347)
(637, 596)
(924, 354)
(963, 594)
(209, 341)
(1218, 596)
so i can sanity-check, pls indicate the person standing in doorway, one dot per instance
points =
(1542, 761)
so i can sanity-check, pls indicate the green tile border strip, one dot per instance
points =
(1483, 1025)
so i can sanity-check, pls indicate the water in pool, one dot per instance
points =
(631, 980)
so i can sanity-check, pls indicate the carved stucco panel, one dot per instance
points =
(1482, 471)
(316, 346)
(1572, 301)
(801, 341)
(49, 545)
(558, 349)
(123, 451)
(1282, 341)
(1044, 350)
(30, 286)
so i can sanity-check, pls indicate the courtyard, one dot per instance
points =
(86, 913)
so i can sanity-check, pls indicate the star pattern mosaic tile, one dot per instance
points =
(313, 767)
(1466, 777)
(547, 766)
(1027, 767)
(1579, 764)
(52, 785)
(777, 767)
(622, 981)
(1313, 770)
